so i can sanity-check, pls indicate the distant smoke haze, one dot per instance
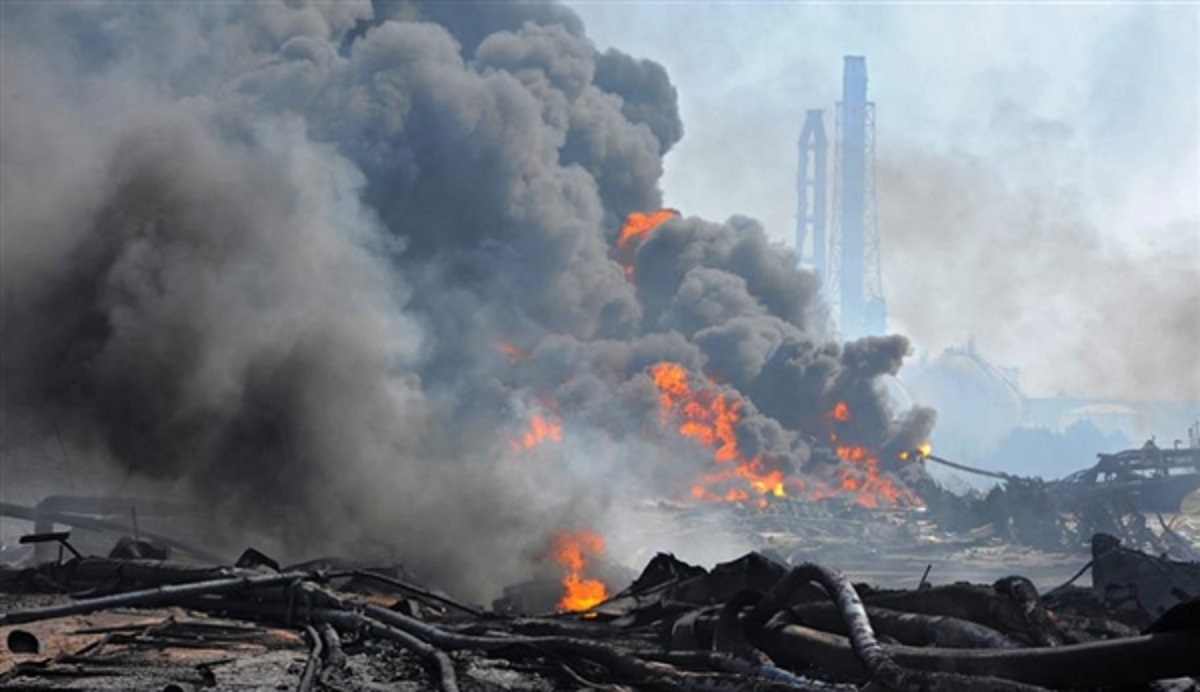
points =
(1023, 266)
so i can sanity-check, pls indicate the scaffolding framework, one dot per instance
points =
(874, 306)
(812, 192)
(854, 282)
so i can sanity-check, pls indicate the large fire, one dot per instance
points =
(861, 478)
(540, 429)
(708, 416)
(571, 550)
(637, 226)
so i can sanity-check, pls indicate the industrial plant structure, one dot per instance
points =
(847, 257)
(979, 403)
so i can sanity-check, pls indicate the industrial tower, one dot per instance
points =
(811, 191)
(849, 263)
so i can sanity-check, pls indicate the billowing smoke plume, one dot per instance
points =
(318, 264)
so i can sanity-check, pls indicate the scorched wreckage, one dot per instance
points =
(393, 283)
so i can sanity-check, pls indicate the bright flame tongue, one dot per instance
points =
(510, 351)
(570, 550)
(923, 450)
(840, 412)
(710, 418)
(637, 226)
(540, 429)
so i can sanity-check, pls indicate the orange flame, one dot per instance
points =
(862, 479)
(923, 450)
(511, 352)
(840, 412)
(637, 226)
(710, 418)
(540, 429)
(570, 549)
(860, 476)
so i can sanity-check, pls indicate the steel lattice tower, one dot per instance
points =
(854, 261)
(812, 192)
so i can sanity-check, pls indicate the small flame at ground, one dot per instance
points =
(540, 429)
(571, 550)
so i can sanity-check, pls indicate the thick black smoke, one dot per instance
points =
(317, 263)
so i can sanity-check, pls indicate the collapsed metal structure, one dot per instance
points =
(1114, 496)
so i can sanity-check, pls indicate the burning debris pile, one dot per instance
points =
(749, 623)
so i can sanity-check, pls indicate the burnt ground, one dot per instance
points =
(942, 610)
(134, 623)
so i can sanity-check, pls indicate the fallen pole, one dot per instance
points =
(156, 595)
(870, 653)
(970, 469)
(434, 656)
(624, 664)
(30, 514)
(312, 666)
(1108, 663)
(915, 629)
(416, 591)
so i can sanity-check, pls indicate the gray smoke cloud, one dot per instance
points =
(1125, 325)
(317, 264)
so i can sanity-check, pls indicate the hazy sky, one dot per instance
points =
(1038, 174)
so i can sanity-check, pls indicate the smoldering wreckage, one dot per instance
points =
(142, 619)
(393, 283)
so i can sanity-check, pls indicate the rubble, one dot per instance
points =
(1131, 580)
(159, 613)
(132, 622)
(1115, 496)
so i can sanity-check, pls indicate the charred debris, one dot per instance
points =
(1135, 495)
(159, 614)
